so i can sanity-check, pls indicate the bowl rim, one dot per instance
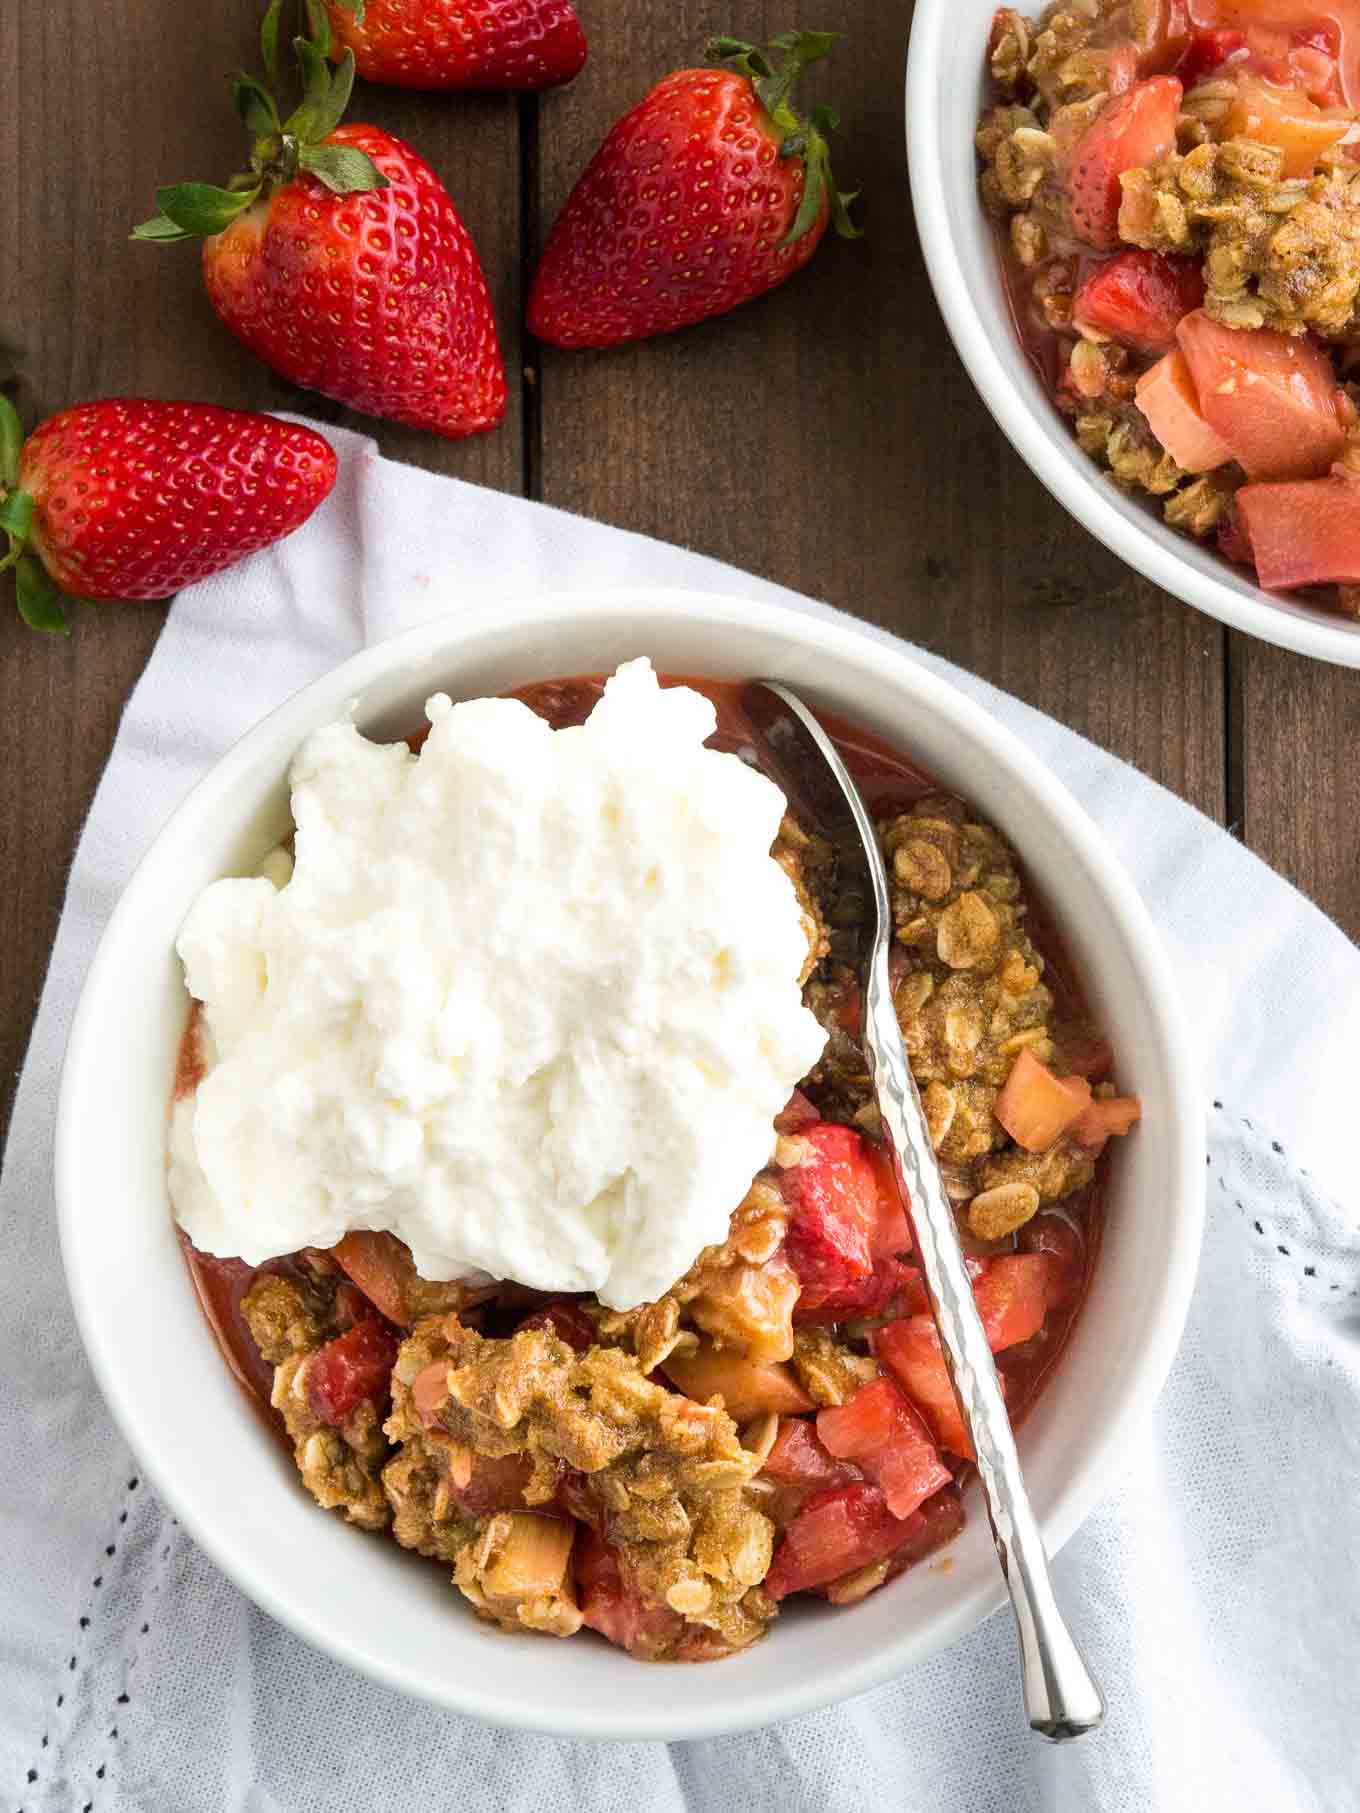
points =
(1259, 616)
(1104, 875)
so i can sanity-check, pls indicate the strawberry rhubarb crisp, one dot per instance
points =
(1177, 185)
(663, 1466)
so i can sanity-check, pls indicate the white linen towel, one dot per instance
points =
(1217, 1592)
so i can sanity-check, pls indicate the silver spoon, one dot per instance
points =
(1061, 1699)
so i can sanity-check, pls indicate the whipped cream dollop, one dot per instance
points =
(528, 1000)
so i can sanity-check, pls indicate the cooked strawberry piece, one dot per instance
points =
(834, 1533)
(832, 1198)
(882, 1433)
(1138, 297)
(1271, 397)
(892, 1232)
(567, 1320)
(1302, 534)
(1167, 397)
(1131, 130)
(1210, 50)
(888, 1282)
(612, 1603)
(1035, 1107)
(911, 1351)
(1110, 1117)
(1012, 1298)
(799, 1459)
(354, 1368)
(1063, 1245)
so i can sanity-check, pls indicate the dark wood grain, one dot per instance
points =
(1299, 727)
(827, 437)
(98, 105)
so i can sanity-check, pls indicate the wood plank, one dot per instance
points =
(99, 105)
(1297, 723)
(827, 436)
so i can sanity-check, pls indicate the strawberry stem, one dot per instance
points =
(11, 443)
(280, 149)
(806, 139)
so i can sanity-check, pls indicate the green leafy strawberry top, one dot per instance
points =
(282, 146)
(805, 138)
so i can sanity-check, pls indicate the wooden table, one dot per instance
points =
(826, 437)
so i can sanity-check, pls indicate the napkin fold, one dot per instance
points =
(1216, 1591)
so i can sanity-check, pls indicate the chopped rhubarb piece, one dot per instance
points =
(835, 1533)
(911, 1351)
(382, 1267)
(354, 1368)
(1012, 1298)
(1163, 32)
(613, 1604)
(1286, 117)
(567, 1320)
(1302, 534)
(892, 1232)
(1138, 297)
(832, 1198)
(1210, 50)
(430, 1392)
(1271, 397)
(1108, 1118)
(496, 1483)
(1063, 1245)
(938, 1521)
(748, 1388)
(798, 1458)
(882, 1433)
(1133, 129)
(1035, 1107)
(1166, 395)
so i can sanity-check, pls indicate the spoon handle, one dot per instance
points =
(1061, 1699)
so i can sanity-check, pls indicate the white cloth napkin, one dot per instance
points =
(1216, 1591)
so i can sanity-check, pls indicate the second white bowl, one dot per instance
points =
(946, 93)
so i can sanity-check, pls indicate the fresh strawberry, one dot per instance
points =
(1135, 128)
(339, 259)
(134, 499)
(520, 44)
(710, 192)
(353, 1369)
(1138, 297)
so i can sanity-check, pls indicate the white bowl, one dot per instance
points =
(946, 92)
(221, 1471)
